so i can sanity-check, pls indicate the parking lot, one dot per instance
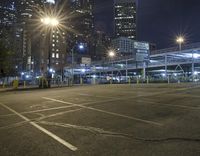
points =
(102, 120)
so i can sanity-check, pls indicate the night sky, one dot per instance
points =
(159, 21)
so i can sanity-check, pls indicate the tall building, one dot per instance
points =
(125, 18)
(25, 13)
(124, 46)
(7, 28)
(7, 21)
(49, 44)
(7, 13)
(102, 45)
(28, 34)
(84, 19)
(82, 25)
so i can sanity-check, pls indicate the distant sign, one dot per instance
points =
(140, 57)
(141, 45)
(86, 60)
(142, 51)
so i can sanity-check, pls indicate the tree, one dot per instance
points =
(7, 67)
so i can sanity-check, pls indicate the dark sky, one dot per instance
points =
(159, 21)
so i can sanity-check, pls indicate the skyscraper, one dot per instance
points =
(7, 13)
(25, 11)
(84, 19)
(7, 29)
(7, 21)
(125, 18)
(49, 43)
(81, 23)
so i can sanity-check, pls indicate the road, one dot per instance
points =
(102, 120)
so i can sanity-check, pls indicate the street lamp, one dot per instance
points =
(180, 40)
(111, 55)
(50, 23)
(80, 47)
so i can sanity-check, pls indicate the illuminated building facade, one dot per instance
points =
(7, 13)
(125, 18)
(82, 26)
(49, 41)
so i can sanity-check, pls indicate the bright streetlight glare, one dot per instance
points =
(180, 39)
(111, 54)
(81, 46)
(83, 70)
(50, 21)
(54, 22)
(195, 73)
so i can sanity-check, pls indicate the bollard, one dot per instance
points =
(137, 80)
(147, 80)
(15, 84)
(129, 80)
(42, 82)
(24, 84)
(4, 85)
(81, 81)
(168, 80)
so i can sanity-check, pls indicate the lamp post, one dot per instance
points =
(80, 47)
(50, 23)
(180, 40)
(111, 55)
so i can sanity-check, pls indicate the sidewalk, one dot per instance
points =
(30, 87)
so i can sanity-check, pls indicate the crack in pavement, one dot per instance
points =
(100, 131)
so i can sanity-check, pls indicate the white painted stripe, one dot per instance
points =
(60, 113)
(170, 105)
(98, 96)
(60, 140)
(107, 112)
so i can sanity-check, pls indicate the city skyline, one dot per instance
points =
(150, 26)
(159, 21)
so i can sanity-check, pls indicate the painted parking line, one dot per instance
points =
(37, 111)
(97, 96)
(170, 105)
(110, 113)
(185, 95)
(55, 137)
(58, 114)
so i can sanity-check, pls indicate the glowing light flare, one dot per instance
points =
(81, 46)
(195, 55)
(111, 53)
(83, 70)
(195, 73)
(180, 39)
(50, 21)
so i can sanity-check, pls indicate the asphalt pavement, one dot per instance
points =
(101, 120)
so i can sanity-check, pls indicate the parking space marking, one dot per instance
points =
(110, 113)
(185, 95)
(161, 104)
(89, 95)
(55, 137)
(37, 111)
(60, 113)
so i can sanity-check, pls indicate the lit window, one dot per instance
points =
(57, 55)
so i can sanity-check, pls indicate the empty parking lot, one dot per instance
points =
(104, 120)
